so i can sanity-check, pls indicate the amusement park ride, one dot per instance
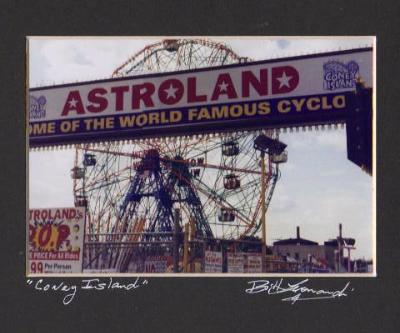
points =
(214, 181)
(182, 195)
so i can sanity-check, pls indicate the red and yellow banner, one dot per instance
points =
(311, 89)
(56, 240)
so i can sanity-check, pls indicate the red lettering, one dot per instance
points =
(71, 214)
(284, 79)
(170, 91)
(74, 102)
(119, 96)
(44, 214)
(101, 102)
(57, 215)
(63, 233)
(145, 96)
(224, 86)
(260, 85)
(32, 232)
(192, 96)
(65, 214)
(44, 235)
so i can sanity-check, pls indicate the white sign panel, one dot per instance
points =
(56, 240)
(156, 264)
(251, 94)
(213, 262)
(253, 263)
(235, 263)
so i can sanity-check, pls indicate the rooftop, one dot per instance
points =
(295, 241)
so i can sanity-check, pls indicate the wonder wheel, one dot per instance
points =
(139, 190)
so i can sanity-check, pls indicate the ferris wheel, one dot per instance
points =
(213, 180)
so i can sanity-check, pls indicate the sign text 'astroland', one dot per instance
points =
(311, 89)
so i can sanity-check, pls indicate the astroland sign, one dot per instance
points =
(56, 240)
(304, 90)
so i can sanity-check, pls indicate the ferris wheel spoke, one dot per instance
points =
(211, 166)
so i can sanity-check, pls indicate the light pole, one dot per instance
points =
(270, 146)
(176, 241)
(263, 214)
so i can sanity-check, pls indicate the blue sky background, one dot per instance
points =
(319, 187)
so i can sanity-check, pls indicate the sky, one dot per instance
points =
(319, 188)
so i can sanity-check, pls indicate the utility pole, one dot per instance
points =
(273, 147)
(176, 241)
(203, 261)
(186, 248)
(263, 214)
(348, 260)
(192, 244)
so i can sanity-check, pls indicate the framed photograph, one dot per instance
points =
(199, 167)
(206, 156)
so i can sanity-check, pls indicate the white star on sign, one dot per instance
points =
(171, 91)
(284, 80)
(223, 86)
(72, 103)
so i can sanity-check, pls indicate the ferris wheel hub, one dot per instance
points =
(150, 161)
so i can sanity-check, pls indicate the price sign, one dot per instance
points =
(56, 240)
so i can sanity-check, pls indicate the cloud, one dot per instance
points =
(318, 209)
(283, 43)
(50, 184)
(284, 203)
(81, 59)
(273, 47)
(77, 59)
(327, 139)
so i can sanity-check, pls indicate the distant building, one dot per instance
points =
(363, 266)
(335, 252)
(334, 255)
(300, 249)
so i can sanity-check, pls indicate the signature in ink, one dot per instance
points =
(299, 290)
(70, 290)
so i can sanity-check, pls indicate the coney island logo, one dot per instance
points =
(37, 107)
(338, 75)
